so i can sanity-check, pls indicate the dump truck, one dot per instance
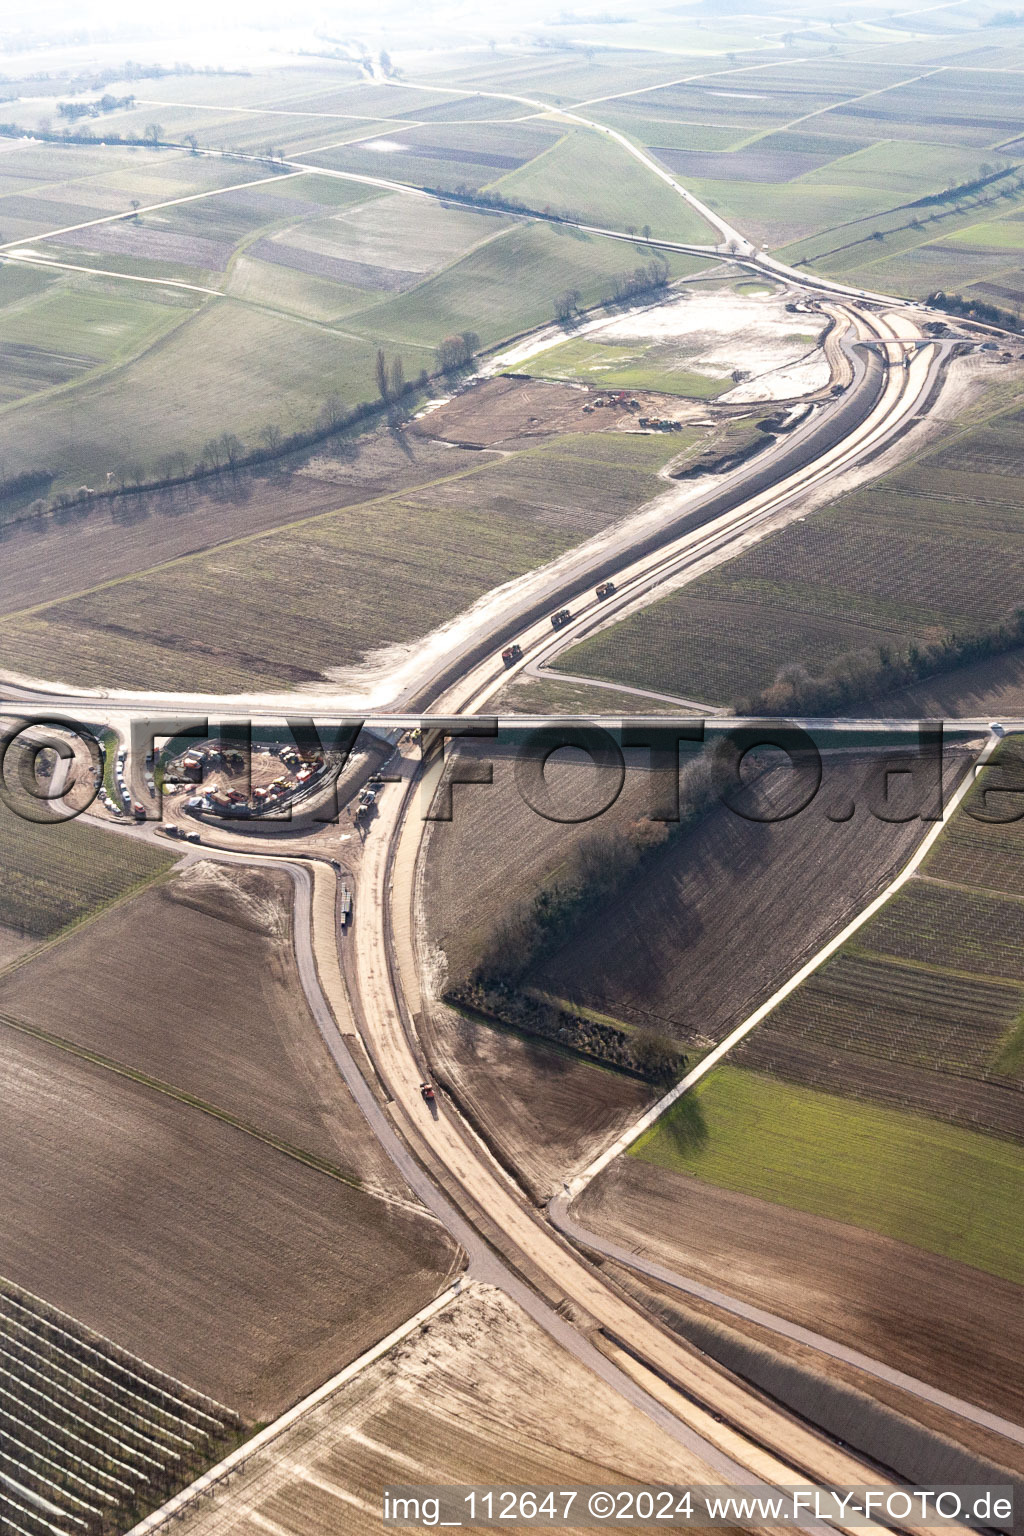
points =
(606, 589)
(561, 617)
(427, 1092)
(511, 654)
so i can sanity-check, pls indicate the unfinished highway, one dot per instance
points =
(733, 1431)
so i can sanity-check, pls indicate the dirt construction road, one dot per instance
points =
(725, 1420)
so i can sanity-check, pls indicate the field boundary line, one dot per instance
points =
(236, 1461)
(543, 673)
(120, 1353)
(171, 202)
(790, 1330)
(76, 924)
(21, 259)
(181, 1096)
(575, 1186)
(103, 370)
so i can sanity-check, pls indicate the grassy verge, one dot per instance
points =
(938, 1187)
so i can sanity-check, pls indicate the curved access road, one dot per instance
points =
(766, 1440)
(559, 1209)
(563, 1219)
(460, 667)
(314, 940)
(747, 506)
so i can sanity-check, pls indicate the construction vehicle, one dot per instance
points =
(345, 906)
(605, 590)
(561, 617)
(511, 654)
(427, 1092)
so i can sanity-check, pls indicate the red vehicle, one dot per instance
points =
(605, 590)
(427, 1092)
(511, 654)
(561, 617)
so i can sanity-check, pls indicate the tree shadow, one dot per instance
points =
(686, 1128)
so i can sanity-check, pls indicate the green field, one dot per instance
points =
(510, 285)
(815, 149)
(128, 379)
(166, 403)
(937, 1187)
(620, 365)
(594, 177)
(56, 875)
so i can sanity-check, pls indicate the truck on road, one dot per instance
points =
(561, 617)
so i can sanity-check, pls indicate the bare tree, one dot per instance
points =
(154, 133)
(566, 305)
(397, 379)
(333, 412)
(233, 449)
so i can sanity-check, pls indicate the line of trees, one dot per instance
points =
(987, 174)
(152, 137)
(457, 352)
(644, 1052)
(73, 110)
(863, 676)
(644, 280)
(227, 453)
(975, 309)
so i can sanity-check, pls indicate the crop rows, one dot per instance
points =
(91, 1438)
(55, 874)
(988, 452)
(953, 929)
(903, 561)
(901, 1014)
(990, 856)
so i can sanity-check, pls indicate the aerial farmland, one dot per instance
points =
(512, 689)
